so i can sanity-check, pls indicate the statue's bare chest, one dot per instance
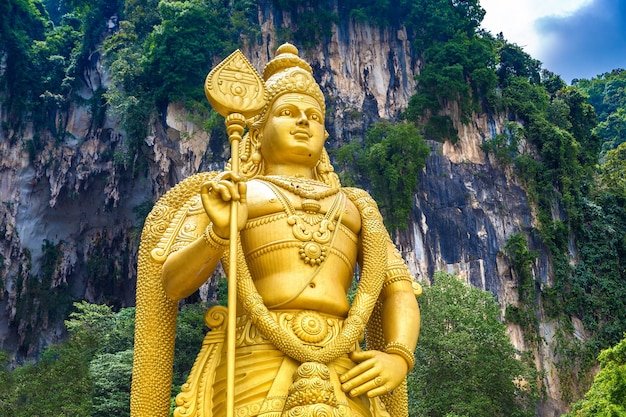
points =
(314, 205)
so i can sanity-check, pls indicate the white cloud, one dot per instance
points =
(516, 20)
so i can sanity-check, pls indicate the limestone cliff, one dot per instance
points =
(72, 210)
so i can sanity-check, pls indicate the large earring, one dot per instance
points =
(256, 155)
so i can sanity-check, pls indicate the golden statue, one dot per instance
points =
(290, 344)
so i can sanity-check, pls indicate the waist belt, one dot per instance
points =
(310, 327)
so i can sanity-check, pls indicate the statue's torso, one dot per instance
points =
(295, 261)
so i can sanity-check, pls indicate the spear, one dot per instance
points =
(237, 92)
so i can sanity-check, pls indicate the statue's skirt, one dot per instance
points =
(263, 379)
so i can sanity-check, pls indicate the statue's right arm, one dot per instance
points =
(185, 270)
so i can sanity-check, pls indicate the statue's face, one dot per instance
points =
(294, 131)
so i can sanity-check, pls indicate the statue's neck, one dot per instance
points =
(290, 171)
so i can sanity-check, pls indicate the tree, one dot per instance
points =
(614, 170)
(607, 94)
(465, 363)
(21, 22)
(514, 62)
(179, 50)
(7, 385)
(111, 375)
(57, 385)
(612, 130)
(90, 373)
(460, 69)
(394, 156)
(439, 20)
(607, 395)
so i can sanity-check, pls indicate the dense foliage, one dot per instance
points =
(607, 95)
(39, 58)
(157, 52)
(522, 260)
(613, 172)
(465, 363)
(607, 396)
(90, 374)
(574, 211)
(154, 65)
(391, 158)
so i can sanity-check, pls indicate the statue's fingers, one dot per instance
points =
(359, 380)
(360, 356)
(233, 189)
(223, 191)
(378, 391)
(205, 192)
(243, 190)
(232, 177)
(367, 387)
(352, 373)
(207, 187)
(377, 386)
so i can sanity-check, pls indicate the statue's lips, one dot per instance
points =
(301, 135)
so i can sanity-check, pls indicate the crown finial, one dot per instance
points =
(287, 48)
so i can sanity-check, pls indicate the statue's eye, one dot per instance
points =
(315, 117)
(285, 112)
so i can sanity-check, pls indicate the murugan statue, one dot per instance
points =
(299, 237)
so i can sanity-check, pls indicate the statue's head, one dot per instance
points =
(286, 77)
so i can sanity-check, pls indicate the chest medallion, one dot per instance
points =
(315, 230)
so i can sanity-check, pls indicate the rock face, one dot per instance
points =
(367, 72)
(72, 212)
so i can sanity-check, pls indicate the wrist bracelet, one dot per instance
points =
(402, 351)
(212, 239)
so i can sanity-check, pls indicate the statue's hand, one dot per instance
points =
(377, 373)
(217, 197)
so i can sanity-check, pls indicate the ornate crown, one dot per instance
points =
(288, 73)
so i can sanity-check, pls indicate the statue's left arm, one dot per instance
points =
(381, 371)
(400, 311)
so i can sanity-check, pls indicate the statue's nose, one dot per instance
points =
(302, 119)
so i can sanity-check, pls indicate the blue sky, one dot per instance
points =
(572, 38)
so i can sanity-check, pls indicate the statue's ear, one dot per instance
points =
(255, 138)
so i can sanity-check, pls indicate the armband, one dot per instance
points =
(397, 278)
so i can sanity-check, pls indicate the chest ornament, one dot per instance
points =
(315, 230)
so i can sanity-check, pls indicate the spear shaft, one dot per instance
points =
(235, 123)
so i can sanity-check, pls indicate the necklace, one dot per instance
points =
(301, 187)
(316, 232)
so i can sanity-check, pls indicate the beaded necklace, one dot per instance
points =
(314, 230)
(301, 187)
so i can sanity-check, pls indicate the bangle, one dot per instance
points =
(212, 239)
(402, 351)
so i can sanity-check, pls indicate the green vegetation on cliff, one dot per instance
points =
(390, 159)
(607, 396)
(607, 95)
